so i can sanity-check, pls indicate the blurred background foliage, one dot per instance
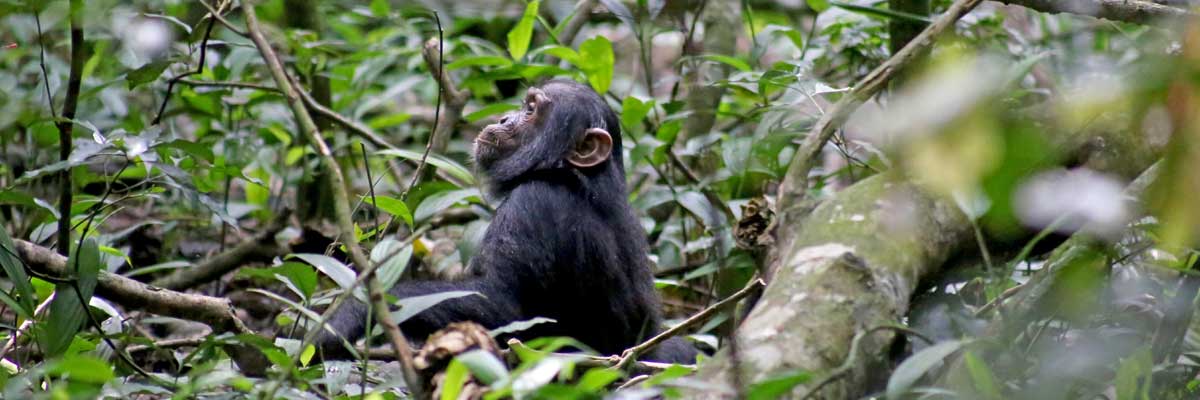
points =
(1036, 125)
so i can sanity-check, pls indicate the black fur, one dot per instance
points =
(564, 244)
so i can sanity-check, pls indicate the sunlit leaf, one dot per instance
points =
(392, 206)
(597, 55)
(522, 33)
(331, 267)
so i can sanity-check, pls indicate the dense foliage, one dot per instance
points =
(197, 161)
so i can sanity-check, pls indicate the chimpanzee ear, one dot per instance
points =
(592, 149)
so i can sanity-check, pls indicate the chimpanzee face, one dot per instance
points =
(555, 124)
(515, 129)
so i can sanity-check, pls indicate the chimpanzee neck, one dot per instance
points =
(603, 185)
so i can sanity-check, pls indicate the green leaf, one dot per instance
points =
(913, 368)
(519, 326)
(394, 255)
(15, 271)
(456, 377)
(1132, 369)
(982, 377)
(596, 379)
(437, 202)
(146, 73)
(478, 61)
(68, 309)
(727, 60)
(818, 5)
(83, 368)
(331, 267)
(484, 365)
(380, 8)
(634, 110)
(777, 387)
(392, 206)
(597, 56)
(414, 305)
(445, 164)
(562, 52)
(520, 35)
(490, 111)
(673, 372)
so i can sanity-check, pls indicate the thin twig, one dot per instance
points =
(67, 123)
(42, 61)
(215, 14)
(199, 68)
(630, 355)
(791, 202)
(230, 84)
(337, 183)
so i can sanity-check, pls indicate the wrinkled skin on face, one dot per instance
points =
(515, 129)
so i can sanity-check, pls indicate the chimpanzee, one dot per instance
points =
(564, 243)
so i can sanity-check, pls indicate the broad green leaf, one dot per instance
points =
(1133, 376)
(520, 35)
(698, 205)
(69, 307)
(478, 61)
(395, 256)
(484, 365)
(671, 373)
(777, 387)
(414, 305)
(818, 5)
(380, 8)
(597, 56)
(490, 110)
(392, 206)
(456, 376)
(454, 169)
(562, 52)
(634, 110)
(83, 368)
(727, 60)
(146, 73)
(597, 379)
(915, 366)
(15, 272)
(982, 377)
(300, 277)
(331, 267)
(437, 202)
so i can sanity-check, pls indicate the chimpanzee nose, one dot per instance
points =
(504, 120)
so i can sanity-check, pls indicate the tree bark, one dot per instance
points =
(853, 266)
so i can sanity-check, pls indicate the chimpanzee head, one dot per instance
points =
(562, 125)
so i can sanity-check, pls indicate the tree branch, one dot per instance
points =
(791, 204)
(66, 125)
(1135, 11)
(337, 183)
